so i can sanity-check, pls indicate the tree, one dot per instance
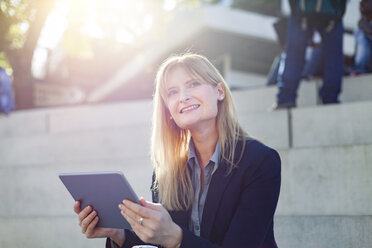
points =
(21, 22)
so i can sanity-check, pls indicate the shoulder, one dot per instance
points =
(256, 154)
(256, 149)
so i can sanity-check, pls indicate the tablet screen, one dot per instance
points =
(103, 190)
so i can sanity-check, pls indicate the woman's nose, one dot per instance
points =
(184, 96)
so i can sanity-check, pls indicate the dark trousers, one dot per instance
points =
(294, 60)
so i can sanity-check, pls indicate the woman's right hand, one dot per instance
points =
(88, 220)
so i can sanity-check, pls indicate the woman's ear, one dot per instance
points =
(220, 91)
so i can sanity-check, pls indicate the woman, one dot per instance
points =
(215, 186)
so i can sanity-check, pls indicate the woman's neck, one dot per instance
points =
(205, 142)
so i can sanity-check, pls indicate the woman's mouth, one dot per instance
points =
(189, 108)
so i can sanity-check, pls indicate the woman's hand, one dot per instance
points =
(88, 220)
(152, 223)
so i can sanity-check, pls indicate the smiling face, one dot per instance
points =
(191, 101)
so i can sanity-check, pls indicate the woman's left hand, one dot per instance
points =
(152, 223)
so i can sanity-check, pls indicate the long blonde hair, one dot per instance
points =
(170, 144)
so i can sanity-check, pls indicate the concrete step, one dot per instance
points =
(315, 181)
(94, 138)
(357, 89)
(259, 99)
(312, 126)
(44, 232)
(290, 232)
(110, 143)
(39, 188)
(243, 80)
(81, 141)
(326, 181)
(323, 231)
(76, 118)
(332, 125)
(270, 128)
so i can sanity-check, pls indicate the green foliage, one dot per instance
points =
(15, 17)
(17, 35)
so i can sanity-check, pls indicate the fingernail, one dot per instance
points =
(124, 202)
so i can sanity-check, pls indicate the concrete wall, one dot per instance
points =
(36, 209)
(325, 150)
(323, 231)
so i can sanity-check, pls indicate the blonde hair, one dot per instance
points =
(170, 144)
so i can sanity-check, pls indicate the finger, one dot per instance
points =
(149, 222)
(147, 226)
(77, 207)
(85, 223)
(153, 206)
(141, 230)
(138, 209)
(130, 214)
(84, 213)
(90, 229)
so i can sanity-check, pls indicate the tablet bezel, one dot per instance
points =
(103, 190)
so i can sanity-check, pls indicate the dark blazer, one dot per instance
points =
(239, 207)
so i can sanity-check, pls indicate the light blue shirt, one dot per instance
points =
(198, 203)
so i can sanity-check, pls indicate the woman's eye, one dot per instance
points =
(194, 84)
(171, 93)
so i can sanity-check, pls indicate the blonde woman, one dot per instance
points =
(212, 185)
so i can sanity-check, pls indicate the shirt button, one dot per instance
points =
(197, 227)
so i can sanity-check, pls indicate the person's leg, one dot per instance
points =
(333, 64)
(362, 51)
(369, 64)
(291, 67)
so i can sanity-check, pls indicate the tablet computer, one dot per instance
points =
(103, 190)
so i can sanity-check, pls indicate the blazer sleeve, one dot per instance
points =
(255, 211)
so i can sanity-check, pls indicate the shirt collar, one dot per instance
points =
(192, 154)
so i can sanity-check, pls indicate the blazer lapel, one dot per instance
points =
(214, 196)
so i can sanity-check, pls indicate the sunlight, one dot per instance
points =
(40, 59)
(123, 36)
(54, 27)
(169, 5)
(122, 21)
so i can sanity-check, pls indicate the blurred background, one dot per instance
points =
(82, 74)
(73, 52)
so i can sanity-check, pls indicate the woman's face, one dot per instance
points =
(192, 102)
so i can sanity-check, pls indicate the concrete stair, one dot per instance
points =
(326, 154)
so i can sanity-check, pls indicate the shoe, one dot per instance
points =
(278, 106)
(354, 73)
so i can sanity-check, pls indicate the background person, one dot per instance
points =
(6, 93)
(363, 38)
(306, 16)
(215, 186)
